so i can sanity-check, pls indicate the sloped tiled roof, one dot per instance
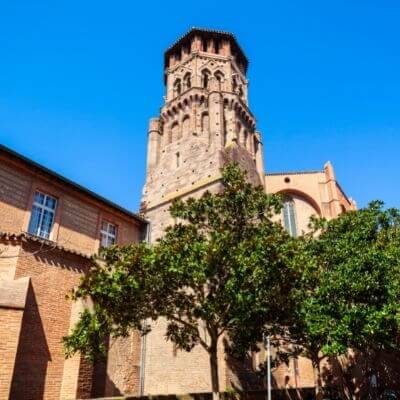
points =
(48, 244)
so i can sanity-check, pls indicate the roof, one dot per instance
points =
(50, 245)
(35, 166)
(212, 32)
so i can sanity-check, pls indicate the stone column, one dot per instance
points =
(153, 144)
(259, 157)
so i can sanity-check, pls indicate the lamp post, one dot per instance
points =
(267, 346)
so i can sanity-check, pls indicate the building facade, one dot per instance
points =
(50, 227)
(204, 122)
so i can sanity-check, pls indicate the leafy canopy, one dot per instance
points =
(349, 294)
(223, 268)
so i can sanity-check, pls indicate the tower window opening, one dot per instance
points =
(204, 44)
(177, 87)
(178, 159)
(289, 216)
(187, 81)
(219, 76)
(204, 122)
(205, 79)
(217, 46)
(234, 84)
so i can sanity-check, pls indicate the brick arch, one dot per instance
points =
(303, 195)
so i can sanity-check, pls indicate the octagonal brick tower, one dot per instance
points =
(204, 121)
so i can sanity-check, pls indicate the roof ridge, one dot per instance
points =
(72, 183)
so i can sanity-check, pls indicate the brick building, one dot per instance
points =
(50, 226)
(49, 229)
(205, 121)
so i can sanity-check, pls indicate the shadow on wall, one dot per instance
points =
(102, 384)
(361, 374)
(33, 354)
(245, 377)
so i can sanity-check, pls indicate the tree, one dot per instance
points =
(349, 292)
(222, 270)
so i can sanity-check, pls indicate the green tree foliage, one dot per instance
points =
(224, 269)
(348, 295)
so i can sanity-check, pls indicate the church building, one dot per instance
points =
(51, 226)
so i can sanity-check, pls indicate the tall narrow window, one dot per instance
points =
(204, 123)
(205, 75)
(289, 216)
(42, 216)
(108, 234)
(187, 83)
(178, 159)
(177, 87)
(219, 76)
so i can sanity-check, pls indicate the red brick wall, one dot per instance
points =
(39, 362)
(10, 325)
(78, 215)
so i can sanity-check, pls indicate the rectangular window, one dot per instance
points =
(42, 215)
(108, 234)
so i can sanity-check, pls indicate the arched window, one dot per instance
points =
(187, 83)
(204, 123)
(185, 125)
(219, 76)
(174, 131)
(177, 87)
(205, 78)
(234, 83)
(289, 216)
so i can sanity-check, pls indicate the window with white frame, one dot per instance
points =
(108, 234)
(42, 215)
(289, 216)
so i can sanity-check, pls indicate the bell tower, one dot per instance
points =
(205, 121)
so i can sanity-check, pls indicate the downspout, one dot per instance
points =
(143, 338)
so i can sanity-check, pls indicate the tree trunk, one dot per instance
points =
(214, 370)
(317, 378)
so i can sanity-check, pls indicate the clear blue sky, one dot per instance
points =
(80, 79)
